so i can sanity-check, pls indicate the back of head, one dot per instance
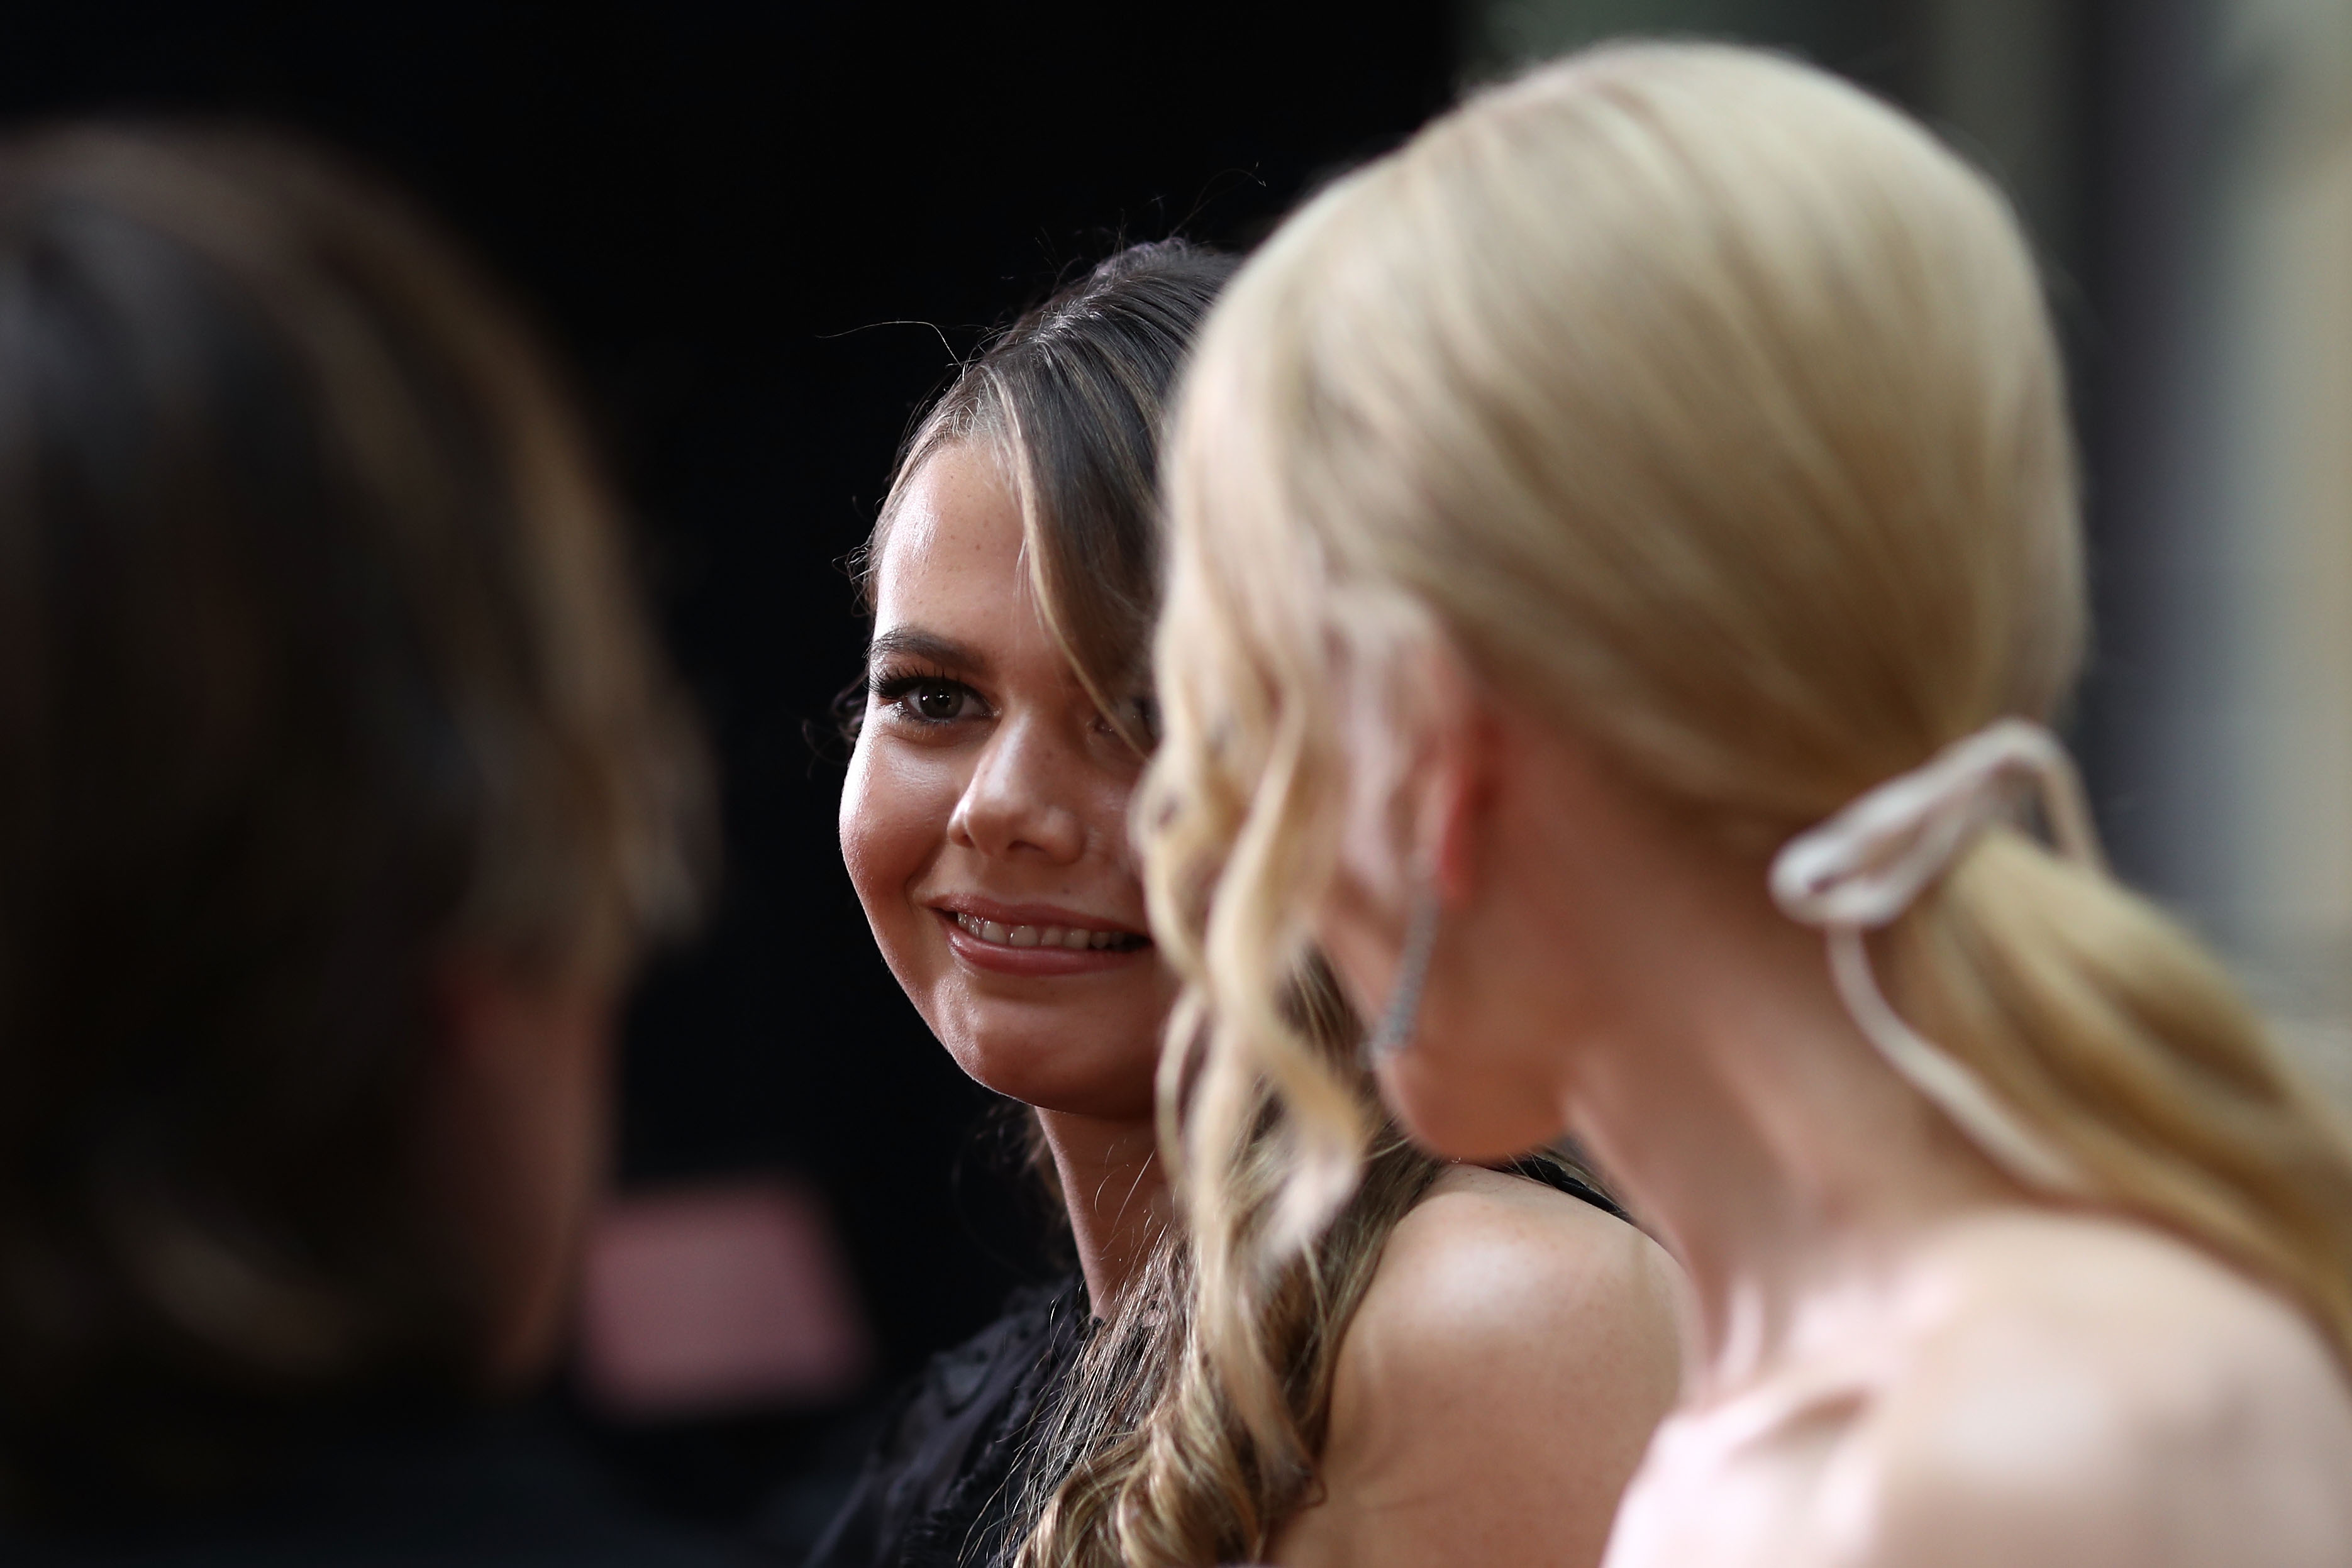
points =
(1711, 408)
(1776, 358)
(318, 666)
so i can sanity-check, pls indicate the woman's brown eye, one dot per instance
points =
(936, 702)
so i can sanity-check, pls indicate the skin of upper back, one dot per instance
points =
(1497, 1386)
(2038, 1389)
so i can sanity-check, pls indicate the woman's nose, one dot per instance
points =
(1019, 801)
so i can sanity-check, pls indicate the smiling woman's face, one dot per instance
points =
(984, 820)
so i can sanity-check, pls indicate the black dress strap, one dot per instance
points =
(1560, 1179)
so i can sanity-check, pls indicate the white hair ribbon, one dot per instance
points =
(1864, 867)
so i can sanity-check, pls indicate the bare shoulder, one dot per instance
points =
(1498, 1384)
(2086, 1391)
(1489, 1265)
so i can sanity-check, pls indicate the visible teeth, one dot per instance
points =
(1070, 938)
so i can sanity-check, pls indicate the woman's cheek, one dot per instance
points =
(880, 832)
(857, 816)
(894, 811)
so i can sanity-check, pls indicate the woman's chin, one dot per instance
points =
(1459, 1121)
(1073, 1080)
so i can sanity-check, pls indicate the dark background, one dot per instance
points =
(761, 235)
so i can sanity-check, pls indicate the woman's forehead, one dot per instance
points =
(953, 574)
(955, 530)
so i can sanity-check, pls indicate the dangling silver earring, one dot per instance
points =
(1395, 1029)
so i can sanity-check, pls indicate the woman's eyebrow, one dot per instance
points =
(913, 643)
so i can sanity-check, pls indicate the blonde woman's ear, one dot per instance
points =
(1455, 813)
(1421, 737)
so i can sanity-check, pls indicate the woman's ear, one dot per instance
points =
(1454, 787)
(1422, 750)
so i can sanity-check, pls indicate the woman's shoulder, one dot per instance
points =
(2096, 1388)
(1495, 1259)
(2142, 1316)
(1495, 1386)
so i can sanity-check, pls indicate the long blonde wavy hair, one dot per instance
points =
(1710, 409)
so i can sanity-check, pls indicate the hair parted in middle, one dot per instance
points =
(1710, 410)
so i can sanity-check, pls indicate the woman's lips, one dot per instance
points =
(993, 937)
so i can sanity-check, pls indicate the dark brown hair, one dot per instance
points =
(318, 661)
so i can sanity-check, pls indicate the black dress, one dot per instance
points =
(941, 1488)
(953, 1463)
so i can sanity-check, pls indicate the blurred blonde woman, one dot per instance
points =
(1625, 553)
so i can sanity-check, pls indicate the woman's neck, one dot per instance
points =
(1117, 1194)
(1787, 1165)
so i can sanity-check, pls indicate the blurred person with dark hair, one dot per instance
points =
(340, 786)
